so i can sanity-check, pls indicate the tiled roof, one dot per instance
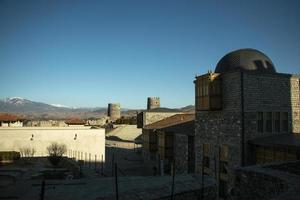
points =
(8, 117)
(171, 121)
(75, 121)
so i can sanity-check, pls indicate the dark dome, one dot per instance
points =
(245, 60)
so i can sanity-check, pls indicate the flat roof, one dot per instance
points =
(283, 140)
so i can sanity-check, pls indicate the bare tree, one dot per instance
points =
(27, 152)
(57, 150)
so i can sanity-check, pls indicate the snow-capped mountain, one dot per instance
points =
(44, 110)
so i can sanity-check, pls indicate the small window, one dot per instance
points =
(223, 189)
(269, 65)
(259, 64)
(268, 122)
(260, 122)
(206, 151)
(277, 122)
(224, 153)
(284, 122)
(206, 161)
(223, 167)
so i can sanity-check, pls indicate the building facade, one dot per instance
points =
(169, 143)
(242, 100)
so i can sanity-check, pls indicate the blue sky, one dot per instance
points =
(89, 53)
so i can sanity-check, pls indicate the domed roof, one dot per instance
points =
(245, 60)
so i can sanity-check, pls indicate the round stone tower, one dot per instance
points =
(153, 102)
(114, 111)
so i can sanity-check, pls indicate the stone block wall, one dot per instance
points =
(262, 93)
(221, 127)
(269, 93)
(181, 153)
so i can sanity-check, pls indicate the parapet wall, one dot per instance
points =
(275, 181)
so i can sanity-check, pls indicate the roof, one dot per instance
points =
(9, 117)
(283, 140)
(245, 60)
(171, 121)
(75, 121)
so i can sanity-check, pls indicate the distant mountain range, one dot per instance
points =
(39, 110)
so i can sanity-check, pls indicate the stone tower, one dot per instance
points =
(114, 111)
(153, 102)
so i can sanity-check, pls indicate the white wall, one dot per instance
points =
(88, 143)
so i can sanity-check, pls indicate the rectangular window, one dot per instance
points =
(284, 121)
(260, 122)
(223, 189)
(206, 151)
(223, 167)
(268, 122)
(224, 153)
(277, 122)
(206, 161)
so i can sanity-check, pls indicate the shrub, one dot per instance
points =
(27, 152)
(56, 151)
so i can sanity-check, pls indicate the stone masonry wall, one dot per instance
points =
(262, 93)
(269, 93)
(181, 153)
(221, 127)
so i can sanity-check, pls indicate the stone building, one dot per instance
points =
(150, 116)
(244, 99)
(170, 142)
(75, 122)
(11, 120)
(114, 111)
(153, 102)
(45, 123)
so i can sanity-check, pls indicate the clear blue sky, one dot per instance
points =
(89, 53)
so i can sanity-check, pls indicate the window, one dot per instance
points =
(223, 189)
(224, 153)
(284, 121)
(223, 167)
(269, 65)
(260, 122)
(208, 92)
(277, 122)
(206, 151)
(259, 64)
(268, 122)
(206, 161)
